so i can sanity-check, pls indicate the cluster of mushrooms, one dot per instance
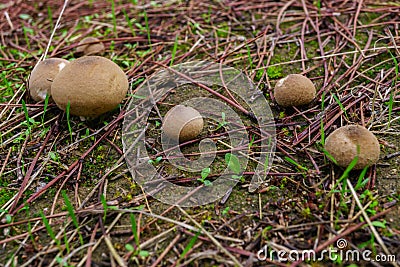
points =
(343, 144)
(88, 86)
(92, 85)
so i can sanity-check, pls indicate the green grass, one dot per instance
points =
(146, 21)
(105, 206)
(174, 50)
(135, 250)
(50, 17)
(71, 213)
(29, 122)
(49, 229)
(361, 182)
(129, 22)
(348, 169)
(7, 90)
(340, 105)
(179, 38)
(190, 245)
(27, 30)
(298, 165)
(134, 229)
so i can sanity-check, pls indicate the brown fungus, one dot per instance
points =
(90, 46)
(92, 85)
(182, 122)
(294, 90)
(347, 142)
(42, 77)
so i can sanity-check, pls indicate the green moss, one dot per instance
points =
(5, 196)
(275, 72)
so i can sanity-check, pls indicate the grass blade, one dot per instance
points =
(174, 50)
(134, 229)
(189, 245)
(71, 213)
(49, 229)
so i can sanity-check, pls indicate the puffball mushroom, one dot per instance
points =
(88, 47)
(294, 90)
(346, 142)
(182, 122)
(92, 85)
(42, 77)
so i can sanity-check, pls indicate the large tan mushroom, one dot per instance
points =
(294, 90)
(42, 77)
(183, 123)
(90, 46)
(347, 142)
(92, 85)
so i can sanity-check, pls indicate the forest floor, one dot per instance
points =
(68, 198)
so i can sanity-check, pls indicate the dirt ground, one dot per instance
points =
(68, 197)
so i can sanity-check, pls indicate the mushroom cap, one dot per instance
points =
(343, 143)
(87, 48)
(42, 77)
(294, 90)
(92, 85)
(182, 122)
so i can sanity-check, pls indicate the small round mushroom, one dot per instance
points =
(294, 90)
(346, 142)
(88, 47)
(92, 85)
(182, 122)
(42, 77)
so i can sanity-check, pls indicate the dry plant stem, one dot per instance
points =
(224, 85)
(78, 177)
(89, 252)
(167, 249)
(110, 227)
(72, 236)
(231, 102)
(368, 220)
(112, 126)
(23, 243)
(53, 206)
(114, 253)
(30, 170)
(292, 36)
(344, 233)
(233, 258)
(52, 34)
(19, 159)
(10, 239)
(5, 162)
